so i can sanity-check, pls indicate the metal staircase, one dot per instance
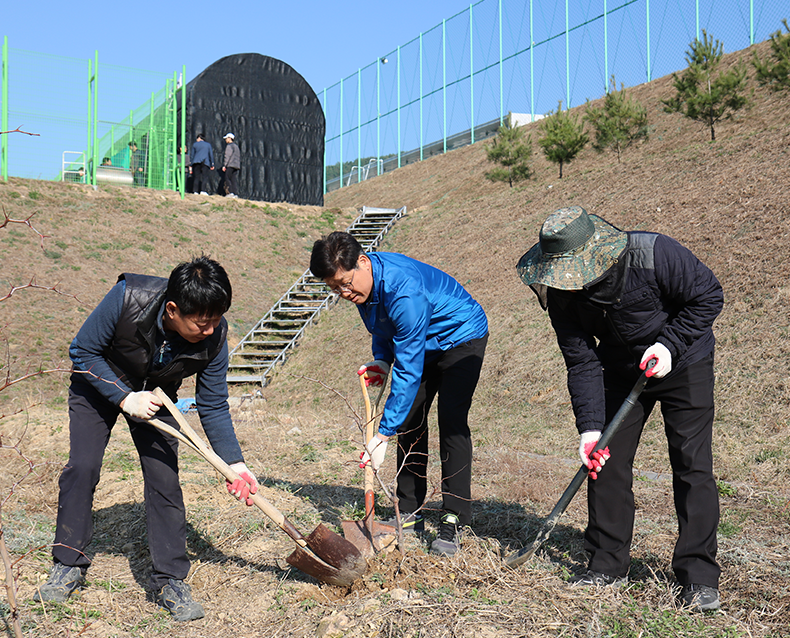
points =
(254, 358)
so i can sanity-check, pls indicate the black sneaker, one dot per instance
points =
(592, 578)
(411, 522)
(176, 597)
(63, 581)
(447, 543)
(700, 598)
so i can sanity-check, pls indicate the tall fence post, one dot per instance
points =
(567, 58)
(605, 49)
(531, 61)
(341, 131)
(501, 81)
(95, 144)
(444, 83)
(359, 123)
(4, 114)
(471, 75)
(88, 149)
(398, 81)
(647, 35)
(379, 62)
(183, 126)
(422, 157)
(325, 136)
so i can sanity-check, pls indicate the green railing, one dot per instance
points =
(460, 79)
(78, 111)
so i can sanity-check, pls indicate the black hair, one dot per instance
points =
(200, 287)
(132, 143)
(334, 252)
(200, 136)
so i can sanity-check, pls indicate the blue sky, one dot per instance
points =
(321, 40)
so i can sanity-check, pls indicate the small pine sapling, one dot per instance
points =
(703, 95)
(563, 136)
(512, 153)
(774, 72)
(620, 122)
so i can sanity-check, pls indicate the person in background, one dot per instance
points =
(147, 332)
(202, 161)
(106, 161)
(430, 331)
(184, 164)
(231, 165)
(616, 301)
(137, 164)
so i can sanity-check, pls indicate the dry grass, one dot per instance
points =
(725, 200)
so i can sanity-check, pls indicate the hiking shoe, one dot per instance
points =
(203, 193)
(176, 597)
(700, 598)
(411, 522)
(63, 581)
(592, 578)
(447, 543)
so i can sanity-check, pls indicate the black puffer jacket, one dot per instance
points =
(658, 292)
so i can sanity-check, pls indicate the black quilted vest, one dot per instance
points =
(134, 342)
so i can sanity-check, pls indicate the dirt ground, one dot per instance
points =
(726, 200)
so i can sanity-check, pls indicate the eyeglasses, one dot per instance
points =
(346, 287)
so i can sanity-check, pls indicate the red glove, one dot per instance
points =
(245, 485)
(597, 460)
(375, 372)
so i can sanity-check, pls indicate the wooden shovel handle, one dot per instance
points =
(191, 438)
(369, 433)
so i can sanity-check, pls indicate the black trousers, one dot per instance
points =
(686, 398)
(232, 180)
(200, 181)
(91, 419)
(453, 376)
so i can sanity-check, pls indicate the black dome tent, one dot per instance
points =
(277, 120)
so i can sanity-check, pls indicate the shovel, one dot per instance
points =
(524, 554)
(324, 555)
(367, 535)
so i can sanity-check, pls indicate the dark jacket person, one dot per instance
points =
(617, 300)
(147, 332)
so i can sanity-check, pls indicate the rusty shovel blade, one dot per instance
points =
(340, 562)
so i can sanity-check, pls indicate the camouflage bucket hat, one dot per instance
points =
(574, 249)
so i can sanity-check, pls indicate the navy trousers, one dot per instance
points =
(686, 398)
(453, 376)
(91, 420)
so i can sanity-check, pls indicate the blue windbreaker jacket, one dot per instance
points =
(414, 312)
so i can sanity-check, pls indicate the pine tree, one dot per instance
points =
(776, 75)
(563, 136)
(513, 153)
(618, 123)
(703, 94)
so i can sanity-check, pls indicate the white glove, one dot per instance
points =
(374, 453)
(663, 357)
(595, 462)
(375, 372)
(142, 405)
(247, 483)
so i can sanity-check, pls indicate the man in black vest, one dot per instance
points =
(147, 332)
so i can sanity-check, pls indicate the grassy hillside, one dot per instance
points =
(725, 200)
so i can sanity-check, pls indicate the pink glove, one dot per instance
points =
(598, 459)
(245, 485)
(375, 372)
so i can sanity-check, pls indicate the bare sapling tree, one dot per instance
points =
(703, 93)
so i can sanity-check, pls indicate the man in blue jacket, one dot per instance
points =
(202, 162)
(616, 301)
(433, 335)
(147, 332)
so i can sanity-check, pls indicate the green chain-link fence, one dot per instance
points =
(81, 126)
(456, 82)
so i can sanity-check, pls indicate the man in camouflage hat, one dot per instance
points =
(617, 300)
